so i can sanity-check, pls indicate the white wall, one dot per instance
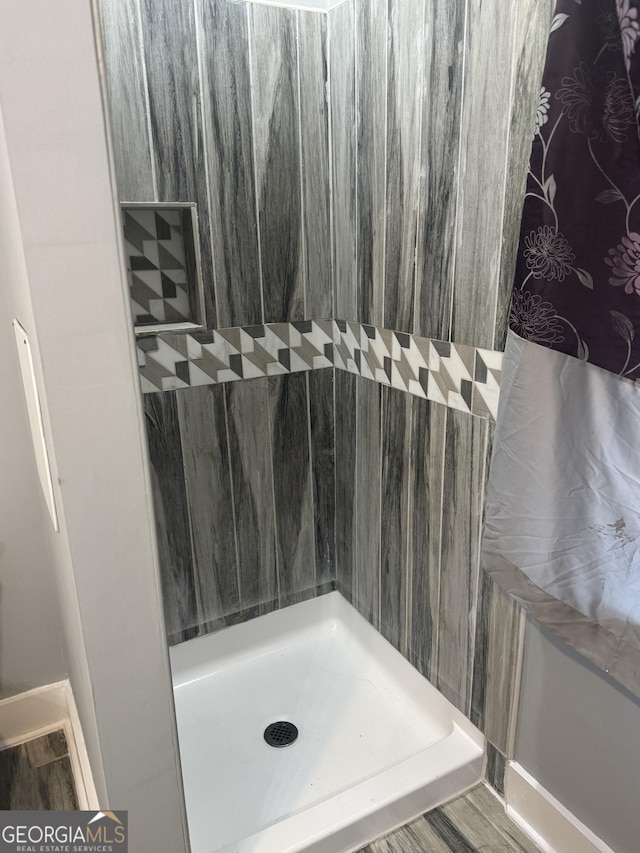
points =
(18, 300)
(30, 630)
(579, 735)
(68, 290)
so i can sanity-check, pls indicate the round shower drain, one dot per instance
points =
(280, 733)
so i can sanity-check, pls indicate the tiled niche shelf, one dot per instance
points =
(455, 375)
(163, 266)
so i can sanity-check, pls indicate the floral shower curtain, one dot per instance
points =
(562, 529)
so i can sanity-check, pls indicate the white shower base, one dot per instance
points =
(377, 745)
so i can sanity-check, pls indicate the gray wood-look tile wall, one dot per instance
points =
(243, 484)
(227, 105)
(360, 164)
(367, 165)
(410, 479)
(446, 93)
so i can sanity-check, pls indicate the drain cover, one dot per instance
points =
(280, 733)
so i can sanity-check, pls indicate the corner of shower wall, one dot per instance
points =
(244, 497)
(410, 477)
(243, 471)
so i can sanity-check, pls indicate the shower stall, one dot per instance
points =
(320, 207)
(318, 275)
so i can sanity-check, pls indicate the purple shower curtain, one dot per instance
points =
(563, 510)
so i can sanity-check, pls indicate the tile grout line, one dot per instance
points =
(435, 666)
(478, 571)
(386, 149)
(197, 22)
(254, 155)
(356, 164)
(273, 495)
(192, 538)
(459, 194)
(355, 539)
(421, 182)
(336, 567)
(233, 498)
(147, 101)
(382, 400)
(517, 684)
(512, 87)
(311, 482)
(411, 483)
(332, 194)
(303, 228)
(409, 453)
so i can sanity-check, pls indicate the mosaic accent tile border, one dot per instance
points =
(174, 361)
(454, 375)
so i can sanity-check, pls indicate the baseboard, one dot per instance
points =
(40, 711)
(544, 819)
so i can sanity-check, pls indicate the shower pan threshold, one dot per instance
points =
(376, 744)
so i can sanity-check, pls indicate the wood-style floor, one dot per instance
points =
(37, 775)
(473, 823)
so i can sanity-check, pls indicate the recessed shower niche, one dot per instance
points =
(163, 266)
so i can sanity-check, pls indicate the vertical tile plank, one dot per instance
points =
(316, 173)
(371, 87)
(485, 127)
(343, 146)
(125, 74)
(394, 516)
(252, 477)
(346, 389)
(274, 82)
(292, 486)
(481, 651)
(441, 117)
(321, 411)
(428, 428)
(169, 32)
(461, 523)
(497, 652)
(205, 453)
(368, 494)
(405, 69)
(531, 37)
(172, 520)
(496, 766)
(224, 46)
(495, 663)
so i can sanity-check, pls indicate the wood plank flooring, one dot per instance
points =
(37, 775)
(472, 823)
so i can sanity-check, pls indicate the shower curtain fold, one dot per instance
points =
(562, 524)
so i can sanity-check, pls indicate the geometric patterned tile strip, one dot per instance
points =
(455, 375)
